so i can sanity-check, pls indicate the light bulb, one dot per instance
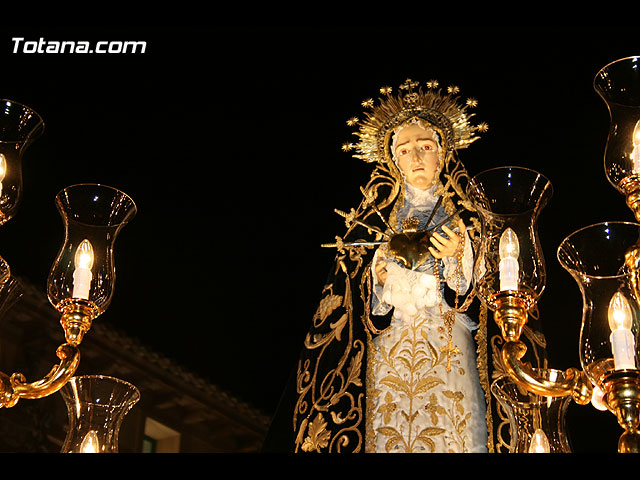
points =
(509, 245)
(3, 166)
(622, 340)
(3, 169)
(619, 312)
(509, 250)
(84, 255)
(635, 154)
(90, 443)
(539, 442)
(82, 275)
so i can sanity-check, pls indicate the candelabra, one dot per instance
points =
(604, 259)
(81, 281)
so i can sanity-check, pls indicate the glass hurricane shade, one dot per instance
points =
(19, 127)
(595, 258)
(536, 423)
(618, 84)
(508, 201)
(83, 273)
(96, 407)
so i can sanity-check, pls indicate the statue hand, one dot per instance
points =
(381, 271)
(447, 247)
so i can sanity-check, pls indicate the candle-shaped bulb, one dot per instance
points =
(635, 153)
(82, 275)
(619, 312)
(90, 443)
(3, 169)
(539, 442)
(622, 340)
(509, 245)
(84, 255)
(3, 166)
(509, 250)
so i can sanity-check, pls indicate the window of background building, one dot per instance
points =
(159, 438)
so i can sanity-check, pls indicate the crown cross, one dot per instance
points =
(409, 84)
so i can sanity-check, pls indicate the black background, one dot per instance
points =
(228, 139)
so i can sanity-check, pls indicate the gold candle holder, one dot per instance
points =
(81, 281)
(622, 396)
(510, 271)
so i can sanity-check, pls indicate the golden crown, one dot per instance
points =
(444, 110)
(410, 224)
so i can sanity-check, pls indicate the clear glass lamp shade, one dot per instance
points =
(83, 274)
(508, 201)
(595, 258)
(537, 424)
(96, 407)
(19, 127)
(618, 84)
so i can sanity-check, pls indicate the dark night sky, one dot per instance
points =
(228, 139)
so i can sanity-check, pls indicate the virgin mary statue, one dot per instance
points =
(393, 360)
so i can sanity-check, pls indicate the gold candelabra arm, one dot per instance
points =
(16, 387)
(76, 322)
(511, 313)
(572, 382)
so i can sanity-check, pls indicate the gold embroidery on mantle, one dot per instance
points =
(318, 436)
(319, 392)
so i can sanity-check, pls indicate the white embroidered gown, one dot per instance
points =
(420, 398)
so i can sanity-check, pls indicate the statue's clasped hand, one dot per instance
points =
(442, 247)
(447, 247)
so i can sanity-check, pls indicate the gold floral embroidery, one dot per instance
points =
(409, 370)
(328, 411)
(434, 410)
(327, 305)
(388, 408)
(425, 436)
(458, 418)
(318, 436)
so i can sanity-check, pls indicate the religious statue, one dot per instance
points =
(392, 363)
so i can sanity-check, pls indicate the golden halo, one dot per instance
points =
(444, 110)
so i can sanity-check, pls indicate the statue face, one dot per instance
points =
(416, 152)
